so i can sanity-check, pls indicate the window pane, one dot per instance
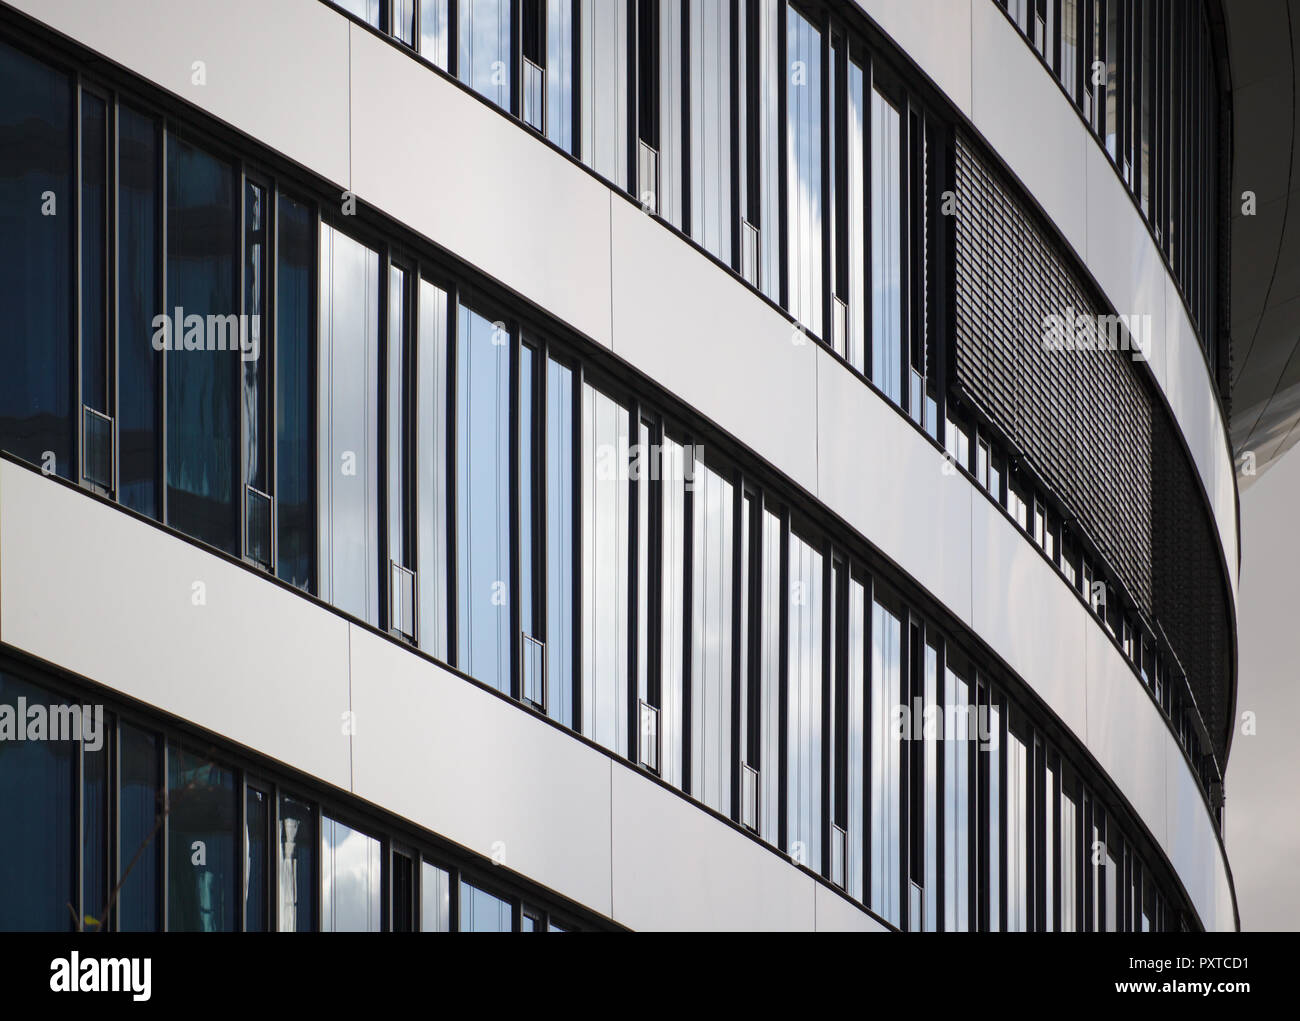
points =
(857, 651)
(255, 403)
(483, 60)
(366, 10)
(431, 469)
(559, 73)
(297, 866)
(95, 829)
(710, 51)
(395, 428)
(203, 867)
(957, 734)
(606, 492)
(769, 147)
(203, 358)
(351, 879)
(804, 161)
(139, 808)
(483, 499)
(674, 471)
(672, 169)
(931, 794)
(36, 221)
(604, 88)
(804, 705)
(257, 808)
(992, 761)
(857, 215)
(528, 479)
(435, 899)
(886, 249)
(1069, 861)
(94, 242)
(295, 506)
(138, 197)
(349, 416)
(482, 912)
(560, 524)
(433, 31)
(886, 693)
(1017, 835)
(711, 637)
(770, 680)
(39, 797)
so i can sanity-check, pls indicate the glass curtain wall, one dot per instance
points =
(348, 468)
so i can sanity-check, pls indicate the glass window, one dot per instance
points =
(675, 472)
(990, 761)
(94, 253)
(396, 473)
(257, 823)
(1069, 859)
(36, 221)
(711, 636)
(958, 733)
(856, 642)
(769, 693)
(560, 524)
(483, 499)
(760, 75)
(95, 828)
(856, 345)
(351, 893)
(559, 73)
(886, 766)
(203, 867)
(804, 705)
(367, 10)
(138, 199)
(480, 911)
(202, 234)
(886, 248)
(604, 78)
(39, 796)
(606, 495)
(804, 162)
(1069, 46)
(531, 667)
(483, 59)
(1047, 806)
(435, 898)
(431, 393)
(295, 497)
(139, 805)
(931, 732)
(349, 469)
(297, 865)
(665, 82)
(434, 32)
(710, 91)
(1018, 917)
(255, 400)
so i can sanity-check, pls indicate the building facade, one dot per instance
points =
(650, 464)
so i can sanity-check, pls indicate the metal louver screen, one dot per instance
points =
(1081, 419)
(1088, 425)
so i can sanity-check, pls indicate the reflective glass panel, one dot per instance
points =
(203, 865)
(351, 893)
(483, 499)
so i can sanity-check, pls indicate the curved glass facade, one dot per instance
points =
(1144, 77)
(183, 833)
(436, 460)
